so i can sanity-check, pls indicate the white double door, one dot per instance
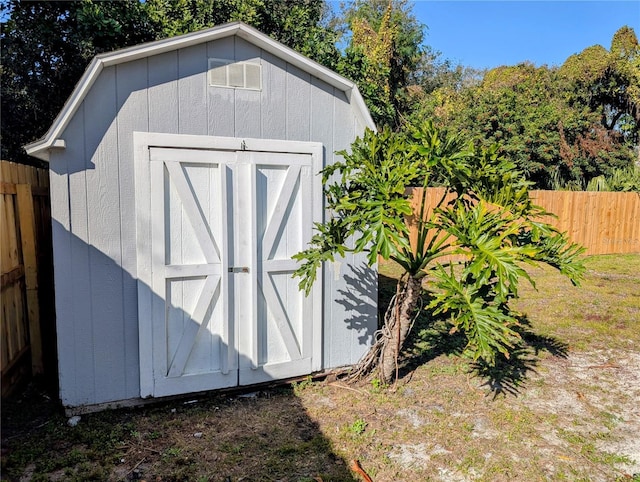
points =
(218, 306)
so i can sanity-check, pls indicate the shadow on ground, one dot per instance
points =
(263, 435)
(431, 337)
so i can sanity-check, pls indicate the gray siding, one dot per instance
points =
(133, 109)
(93, 201)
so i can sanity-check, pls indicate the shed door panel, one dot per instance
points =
(192, 341)
(280, 344)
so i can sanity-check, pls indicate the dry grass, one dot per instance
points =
(565, 408)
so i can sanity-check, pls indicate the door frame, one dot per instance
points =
(142, 142)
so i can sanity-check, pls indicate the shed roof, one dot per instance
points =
(51, 140)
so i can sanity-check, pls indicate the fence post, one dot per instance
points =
(29, 253)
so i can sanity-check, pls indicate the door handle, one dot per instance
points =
(238, 269)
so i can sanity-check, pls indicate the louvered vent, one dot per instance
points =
(238, 75)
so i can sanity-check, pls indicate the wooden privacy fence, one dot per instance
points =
(603, 222)
(25, 261)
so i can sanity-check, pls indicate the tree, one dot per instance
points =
(607, 85)
(518, 107)
(302, 25)
(609, 82)
(382, 55)
(486, 219)
(45, 48)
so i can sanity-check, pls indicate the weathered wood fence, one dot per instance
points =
(26, 267)
(603, 222)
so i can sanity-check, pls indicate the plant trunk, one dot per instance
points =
(383, 355)
(399, 323)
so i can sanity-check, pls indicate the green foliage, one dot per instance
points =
(301, 25)
(299, 387)
(488, 326)
(377, 385)
(358, 427)
(45, 48)
(561, 126)
(608, 82)
(383, 54)
(367, 200)
(624, 180)
(485, 219)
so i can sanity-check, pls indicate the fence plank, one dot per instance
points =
(4, 333)
(28, 237)
(25, 269)
(10, 277)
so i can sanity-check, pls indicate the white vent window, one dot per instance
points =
(253, 76)
(217, 74)
(238, 75)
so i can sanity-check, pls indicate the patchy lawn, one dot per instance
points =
(567, 407)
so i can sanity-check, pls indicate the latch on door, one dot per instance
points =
(240, 269)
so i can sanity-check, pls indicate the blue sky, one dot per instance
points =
(485, 34)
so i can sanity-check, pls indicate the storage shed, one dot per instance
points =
(184, 176)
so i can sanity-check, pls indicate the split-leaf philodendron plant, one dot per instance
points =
(471, 247)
